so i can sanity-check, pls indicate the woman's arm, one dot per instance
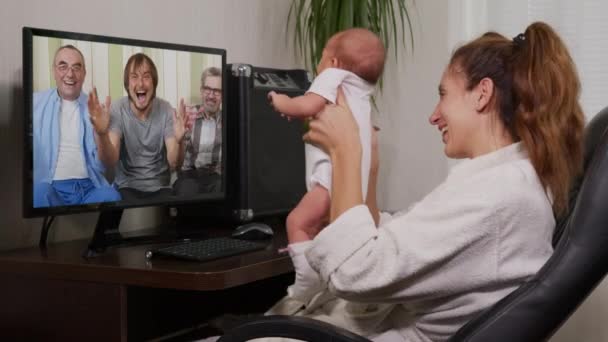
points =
(335, 130)
(421, 252)
(371, 200)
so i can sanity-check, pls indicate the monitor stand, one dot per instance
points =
(106, 235)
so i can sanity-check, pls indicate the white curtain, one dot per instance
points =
(582, 24)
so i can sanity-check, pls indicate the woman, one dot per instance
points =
(511, 108)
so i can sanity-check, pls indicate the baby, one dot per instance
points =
(352, 61)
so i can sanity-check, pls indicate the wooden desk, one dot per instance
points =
(57, 295)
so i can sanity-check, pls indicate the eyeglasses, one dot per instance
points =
(64, 68)
(214, 91)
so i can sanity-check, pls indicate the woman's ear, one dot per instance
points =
(484, 93)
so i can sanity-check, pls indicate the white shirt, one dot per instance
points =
(357, 92)
(70, 160)
(425, 272)
(206, 143)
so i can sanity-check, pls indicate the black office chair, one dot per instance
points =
(536, 310)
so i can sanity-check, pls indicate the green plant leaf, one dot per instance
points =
(315, 21)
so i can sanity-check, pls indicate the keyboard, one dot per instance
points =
(208, 249)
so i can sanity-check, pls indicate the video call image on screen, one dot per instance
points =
(157, 140)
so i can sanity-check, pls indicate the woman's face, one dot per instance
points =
(455, 115)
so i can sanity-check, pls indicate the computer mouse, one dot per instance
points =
(253, 231)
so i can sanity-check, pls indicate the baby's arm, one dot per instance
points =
(302, 106)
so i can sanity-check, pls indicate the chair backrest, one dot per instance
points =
(540, 306)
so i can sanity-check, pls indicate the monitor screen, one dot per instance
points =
(117, 123)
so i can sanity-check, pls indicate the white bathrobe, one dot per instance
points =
(424, 272)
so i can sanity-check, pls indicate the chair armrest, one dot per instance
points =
(300, 328)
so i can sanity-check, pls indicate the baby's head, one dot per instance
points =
(357, 50)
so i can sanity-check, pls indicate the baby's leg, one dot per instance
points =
(307, 219)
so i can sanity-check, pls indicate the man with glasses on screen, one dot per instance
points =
(202, 168)
(67, 170)
(140, 133)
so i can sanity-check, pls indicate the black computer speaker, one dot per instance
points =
(265, 152)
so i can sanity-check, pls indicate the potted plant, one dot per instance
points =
(317, 20)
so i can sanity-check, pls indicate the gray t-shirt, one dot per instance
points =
(143, 156)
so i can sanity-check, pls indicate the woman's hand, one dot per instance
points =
(334, 129)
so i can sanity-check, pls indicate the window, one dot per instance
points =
(582, 25)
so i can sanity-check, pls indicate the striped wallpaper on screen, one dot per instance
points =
(178, 71)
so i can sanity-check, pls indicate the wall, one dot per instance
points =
(252, 31)
(411, 150)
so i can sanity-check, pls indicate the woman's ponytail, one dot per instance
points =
(548, 118)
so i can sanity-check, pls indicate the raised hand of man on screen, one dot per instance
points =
(175, 144)
(108, 143)
(180, 121)
(99, 113)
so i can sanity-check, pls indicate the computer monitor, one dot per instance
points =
(113, 123)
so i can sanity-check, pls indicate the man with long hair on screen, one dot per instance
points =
(140, 133)
(202, 167)
(66, 168)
